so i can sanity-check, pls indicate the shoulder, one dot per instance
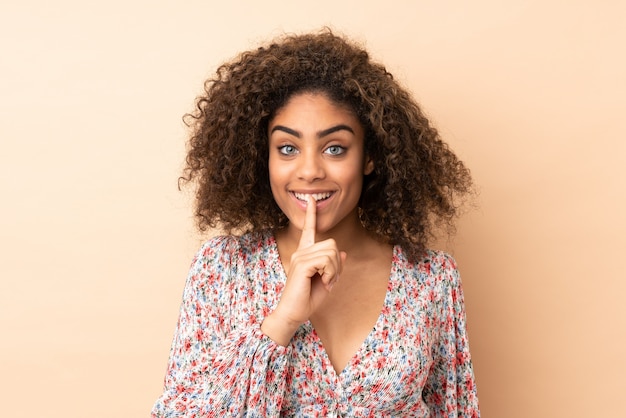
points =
(441, 264)
(231, 248)
(217, 249)
(434, 270)
(432, 263)
(219, 259)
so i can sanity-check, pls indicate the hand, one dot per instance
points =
(314, 269)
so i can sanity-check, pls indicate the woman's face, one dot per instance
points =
(316, 147)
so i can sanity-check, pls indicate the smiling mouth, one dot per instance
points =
(317, 196)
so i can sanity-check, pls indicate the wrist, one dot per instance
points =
(279, 329)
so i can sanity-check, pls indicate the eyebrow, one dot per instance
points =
(320, 134)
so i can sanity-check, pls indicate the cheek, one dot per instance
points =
(273, 169)
(353, 173)
(276, 172)
(278, 176)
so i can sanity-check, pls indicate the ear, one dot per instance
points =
(368, 167)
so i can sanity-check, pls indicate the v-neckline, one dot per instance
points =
(311, 329)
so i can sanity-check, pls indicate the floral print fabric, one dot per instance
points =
(414, 363)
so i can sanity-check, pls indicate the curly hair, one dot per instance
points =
(417, 180)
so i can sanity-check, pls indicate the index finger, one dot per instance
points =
(308, 229)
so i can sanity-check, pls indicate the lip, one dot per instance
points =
(319, 205)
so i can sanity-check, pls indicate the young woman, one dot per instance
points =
(322, 299)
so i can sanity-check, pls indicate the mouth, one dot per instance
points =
(319, 197)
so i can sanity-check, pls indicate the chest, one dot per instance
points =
(350, 313)
(388, 358)
(387, 372)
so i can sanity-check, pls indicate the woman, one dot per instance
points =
(322, 299)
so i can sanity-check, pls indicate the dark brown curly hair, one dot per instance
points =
(417, 180)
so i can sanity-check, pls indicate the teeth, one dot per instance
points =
(316, 196)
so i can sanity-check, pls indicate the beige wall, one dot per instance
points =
(95, 239)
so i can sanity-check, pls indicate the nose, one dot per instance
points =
(310, 167)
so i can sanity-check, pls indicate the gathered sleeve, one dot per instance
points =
(220, 365)
(450, 390)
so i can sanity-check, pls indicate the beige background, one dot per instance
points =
(95, 239)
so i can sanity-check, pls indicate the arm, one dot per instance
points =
(217, 368)
(450, 390)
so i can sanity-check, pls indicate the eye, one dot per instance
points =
(335, 150)
(287, 150)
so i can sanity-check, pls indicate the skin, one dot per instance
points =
(337, 272)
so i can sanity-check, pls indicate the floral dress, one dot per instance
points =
(414, 363)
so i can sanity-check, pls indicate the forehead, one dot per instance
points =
(314, 107)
